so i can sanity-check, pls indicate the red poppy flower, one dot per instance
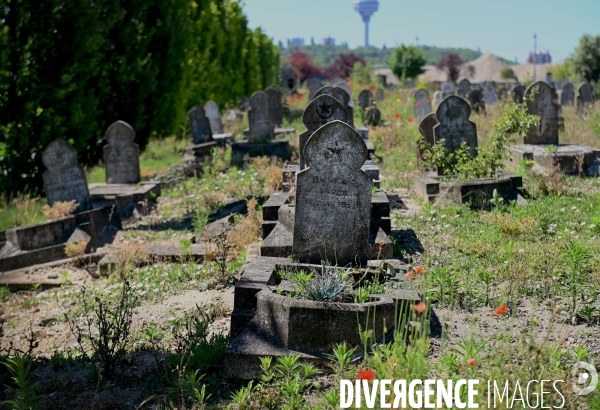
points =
(397, 116)
(381, 244)
(428, 101)
(417, 104)
(409, 120)
(347, 78)
(366, 374)
(502, 309)
(420, 270)
(410, 275)
(472, 362)
(420, 307)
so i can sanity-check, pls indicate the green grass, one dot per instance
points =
(21, 211)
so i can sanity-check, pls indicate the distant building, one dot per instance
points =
(327, 41)
(539, 58)
(295, 42)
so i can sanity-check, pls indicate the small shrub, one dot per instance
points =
(512, 225)
(59, 209)
(247, 230)
(75, 249)
(20, 369)
(330, 284)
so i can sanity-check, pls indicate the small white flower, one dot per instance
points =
(573, 207)
(521, 250)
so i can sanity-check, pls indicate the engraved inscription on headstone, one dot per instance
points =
(65, 179)
(259, 119)
(121, 155)
(365, 99)
(540, 97)
(199, 125)
(333, 198)
(275, 105)
(211, 110)
(475, 98)
(422, 104)
(567, 95)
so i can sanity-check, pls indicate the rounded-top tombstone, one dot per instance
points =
(489, 94)
(447, 89)
(379, 95)
(477, 102)
(121, 155)
(585, 96)
(334, 92)
(454, 125)
(373, 117)
(346, 88)
(426, 129)
(259, 119)
(275, 105)
(422, 104)
(365, 99)
(64, 179)
(540, 96)
(567, 95)
(464, 88)
(517, 94)
(200, 125)
(211, 110)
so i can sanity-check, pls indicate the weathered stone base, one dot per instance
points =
(239, 150)
(199, 152)
(128, 199)
(478, 192)
(573, 159)
(278, 132)
(264, 323)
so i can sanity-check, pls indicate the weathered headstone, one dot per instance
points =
(567, 96)
(373, 117)
(422, 104)
(275, 105)
(517, 94)
(200, 125)
(346, 93)
(477, 102)
(489, 94)
(379, 95)
(322, 110)
(447, 89)
(211, 110)
(426, 129)
(438, 97)
(540, 97)
(549, 79)
(346, 88)
(259, 119)
(454, 125)
(121, 155)
(365, 99)
(502, 94)
(333, 198)
(585, 96)
(65, 179)
(464, 88)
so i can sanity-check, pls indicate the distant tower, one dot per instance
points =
(366, 8)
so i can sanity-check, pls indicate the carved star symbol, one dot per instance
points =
(325, 108)
(335, 150)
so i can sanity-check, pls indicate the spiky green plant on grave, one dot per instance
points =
(327, 285)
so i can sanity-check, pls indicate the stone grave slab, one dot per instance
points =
(464, 88)
(211, 110)
(239, 150)
(572, 159)
(447, 89)
(567, 95)
(365, 99)
(541, 103)
(438, 97)
(422, 104)
(585, 96)
(426, 127)
(373, 117)
(379, 95)
(200, 125)
(121, 155)
(489, 94)
(275, 105)
(517, 94)
(477, 102)
(261, 125)
(454, 125)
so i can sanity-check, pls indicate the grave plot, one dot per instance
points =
(271, 317)
(202, 122)
(542, 146)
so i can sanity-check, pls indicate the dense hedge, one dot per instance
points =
(69, 68)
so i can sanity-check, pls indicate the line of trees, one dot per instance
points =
(69, 68)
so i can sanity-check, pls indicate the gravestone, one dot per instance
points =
(585, 96)
(464, 88)
(379, 95)
(447, 89)
(475, 98)
(259, 119)
(502, 94)
(322, 110)
(65, 179)
(454, 126)
(121, 155)
(333, 198)
(346, 88)
(489, 94)
(275, 105)
(422, 105)
(549, 79)
(517, 94)
(347, 100)
(567, 96)
(365, 99)
(200, 125)
(412, 93)
(540, 97)
(211, 110)
(438, 97)
(426, 129)
(373, 117)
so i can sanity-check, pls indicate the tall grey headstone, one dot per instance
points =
(211, 110)
(426, 129)
(121, 155)
(567, 96)
(365, 99)
(379, 95)
(422, 104)
(320, 111)
(275, 105)
(464, 88)
(540, 97)
(489, 94)
(454, 126)
(65, 179)
(447, 89)
(517, 94)
(200, 125)
(585, 96)
(477, 102)
(333, 198)
(259, 119)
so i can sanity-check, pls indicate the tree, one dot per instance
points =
(343, 65)
(407, 61)
(563, 71)
(302, 65)
(451, 63)
(507, 73)
(586, 62)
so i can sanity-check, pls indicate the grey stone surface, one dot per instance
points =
(365, 99)
(540, 97)
(438, 97)
(489, 94)
(447, 89)
(260, 124)
(454, 126)
(346, 93)
(334, 181)
(200, 125)
(567, 95)
(464, 88)
(239, 150)
(585, 96)
(379, 95)
(275, 104)
(211, 109)
(426, 129)
(476, 101)
(572, 159)
(65, 179)
(517, 94)
(422, 104)
(346, 89)
(121, 155)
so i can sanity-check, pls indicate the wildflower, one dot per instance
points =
(420, 307)
(409, 119)
(347, 78)
(374, 102)
(381, 245)
(409, 275)
(502, 309)
(366, 108)
(472, 362)
(397, 99)
(428, 101)
(420, 270)
(366, 374)
(397, 116)
(417, 104)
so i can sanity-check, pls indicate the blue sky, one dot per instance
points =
(503, 27)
